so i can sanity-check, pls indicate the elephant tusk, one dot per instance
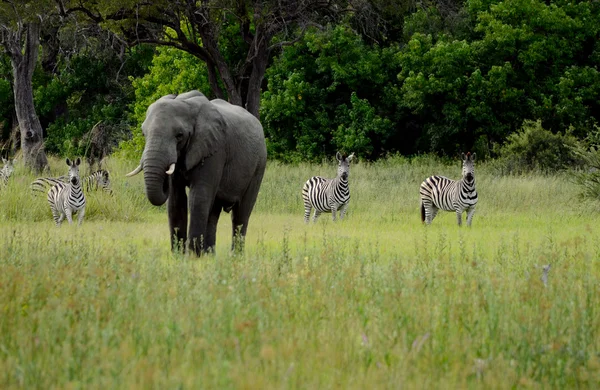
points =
(171, 169)
(135, 171)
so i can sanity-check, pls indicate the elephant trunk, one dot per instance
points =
(156, 179)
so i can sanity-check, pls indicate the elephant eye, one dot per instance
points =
(179, 136)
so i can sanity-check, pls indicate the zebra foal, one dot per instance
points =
(66, 199)
(441, 193)
(7, 170)
(328, 195)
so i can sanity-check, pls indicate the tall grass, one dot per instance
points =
(374, 301)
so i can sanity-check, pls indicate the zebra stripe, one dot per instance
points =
(97, 180)
(328, 195)
(441, 193)
(6, 171)
(66, 199)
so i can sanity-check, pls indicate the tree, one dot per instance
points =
(20, 23)
(331, 91)
(235, 38)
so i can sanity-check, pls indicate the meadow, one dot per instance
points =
(374, 301)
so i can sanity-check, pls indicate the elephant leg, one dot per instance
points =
(200, 202)
(241, 213)
(177, 210)
(211, 229)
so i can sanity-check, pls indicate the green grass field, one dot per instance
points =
(374, 301)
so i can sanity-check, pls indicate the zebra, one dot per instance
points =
(438, 192)
(66, 199)
(97, 180)
(328, 195)
(7, 170)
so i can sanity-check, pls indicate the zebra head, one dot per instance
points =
(468, 167)
(104, 180)
(8, 168)
(74, 171)
(344, 165)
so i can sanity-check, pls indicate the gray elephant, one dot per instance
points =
(216, 149)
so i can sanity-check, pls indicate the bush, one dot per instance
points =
(588, 178)
(534, 148)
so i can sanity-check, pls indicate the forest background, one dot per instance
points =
(372, 77)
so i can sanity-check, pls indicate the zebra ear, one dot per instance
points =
(4, 161)
(339, 156)
(68, 162)
(463, 156)
(473, 157)
(350, 157)
(78, 161)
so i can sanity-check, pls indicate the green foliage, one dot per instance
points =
(535, 148)
(172, 72)
(364, 127)
(329, 92)
(588, 176)
(524, 59)
(84, 91)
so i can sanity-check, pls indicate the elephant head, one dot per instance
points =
(180, 132)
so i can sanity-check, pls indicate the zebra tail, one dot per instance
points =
(422, 212)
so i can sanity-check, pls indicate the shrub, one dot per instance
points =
(588, 178)
(535, 148)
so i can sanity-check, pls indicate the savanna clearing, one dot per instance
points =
(374, 301)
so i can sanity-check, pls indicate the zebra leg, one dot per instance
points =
(459, 216)
(81, 214)
(470, 212)
(58, 217)
(307, 210)
(316, 216)
(333, 212)
(69, 215)
(343, 211)
(430, 211)
(433, 213)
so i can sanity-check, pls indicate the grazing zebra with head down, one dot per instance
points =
(438, 192)
(328, 195)
(66, 199)
(97, 180)
(7, 170)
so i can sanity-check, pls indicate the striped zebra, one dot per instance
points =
(7, 170)
(438, 192)
(66, 199)
(328, 195)
(97, 180)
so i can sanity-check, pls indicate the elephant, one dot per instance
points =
(215, 149)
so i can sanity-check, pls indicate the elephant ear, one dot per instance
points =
(209, 130)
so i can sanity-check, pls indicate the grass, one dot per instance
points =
(374, 301)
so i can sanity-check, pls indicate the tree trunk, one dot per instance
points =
(259, 68)
(23, 63)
